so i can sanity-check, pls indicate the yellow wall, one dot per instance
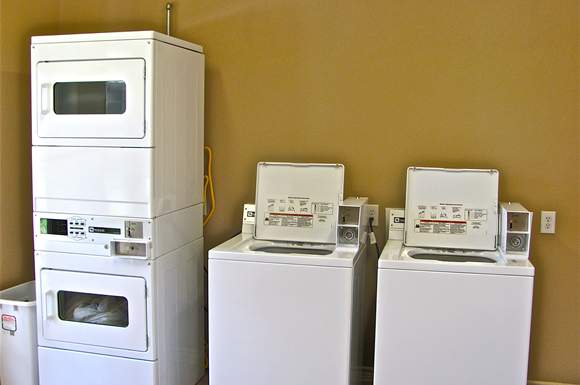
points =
(377, 85)
(18, 21)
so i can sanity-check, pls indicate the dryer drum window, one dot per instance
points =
(99, 98)
(93, 308)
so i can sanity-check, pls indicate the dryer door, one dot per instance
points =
(91, 99)
(94, 309)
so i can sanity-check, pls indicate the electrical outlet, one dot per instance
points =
(548, 222)
(373, 212)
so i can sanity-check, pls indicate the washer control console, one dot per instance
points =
(352, 220)
(96, 235)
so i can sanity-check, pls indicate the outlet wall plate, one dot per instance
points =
(373, 212)
(548, 222)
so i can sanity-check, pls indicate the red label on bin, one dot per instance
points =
(9, 322)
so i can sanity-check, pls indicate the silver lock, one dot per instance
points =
(517, 242)
(348, 235)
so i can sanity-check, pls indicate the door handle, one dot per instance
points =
(44, 98)
(49, 305)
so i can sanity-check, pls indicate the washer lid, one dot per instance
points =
(298, 201)
(452, 208)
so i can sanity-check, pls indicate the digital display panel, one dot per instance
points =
(53, 226)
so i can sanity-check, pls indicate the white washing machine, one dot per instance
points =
(451, 309)
(285, 305)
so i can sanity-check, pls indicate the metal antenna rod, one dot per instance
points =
(168, 8)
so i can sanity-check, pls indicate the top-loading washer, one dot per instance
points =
(285, 304)
(451, 309)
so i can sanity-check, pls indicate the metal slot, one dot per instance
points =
(133, 229)
(348, 215)
(518, 221)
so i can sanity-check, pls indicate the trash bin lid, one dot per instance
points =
(20, 295)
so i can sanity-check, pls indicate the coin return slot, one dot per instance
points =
(130, 249)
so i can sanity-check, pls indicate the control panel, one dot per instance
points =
(516, 230)
(351, 226)
(76, 228)
(98, 235)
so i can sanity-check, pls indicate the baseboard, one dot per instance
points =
(531, 382)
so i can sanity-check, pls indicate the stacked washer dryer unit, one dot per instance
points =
(285, 305)
(117, 161)
(451, 308)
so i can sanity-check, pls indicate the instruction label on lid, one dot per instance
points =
(449, 219)
(298, 212)
(451, 208)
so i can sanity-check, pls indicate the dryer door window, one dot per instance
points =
(97, 309)
(81, 98)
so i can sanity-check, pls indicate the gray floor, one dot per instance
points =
(365, 373)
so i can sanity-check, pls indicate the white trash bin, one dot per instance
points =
(18, 352)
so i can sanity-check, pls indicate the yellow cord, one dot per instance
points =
(205, 182)
(208, 181)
